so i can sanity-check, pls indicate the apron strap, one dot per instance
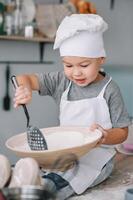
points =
(101, 94)
(65, 93)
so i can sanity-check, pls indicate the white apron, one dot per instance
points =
(85, 112)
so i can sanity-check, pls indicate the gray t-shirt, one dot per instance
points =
(55, 83)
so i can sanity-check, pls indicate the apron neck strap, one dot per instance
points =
(101, 94)
(65, 94)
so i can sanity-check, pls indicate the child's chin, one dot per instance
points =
(82, 84)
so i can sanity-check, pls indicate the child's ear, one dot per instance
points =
(102, 60)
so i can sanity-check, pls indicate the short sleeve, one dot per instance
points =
(52, 84)
(118, 112)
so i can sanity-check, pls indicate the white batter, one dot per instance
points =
(65, 139)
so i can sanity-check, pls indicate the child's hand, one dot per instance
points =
(104, 132)
(23, 95)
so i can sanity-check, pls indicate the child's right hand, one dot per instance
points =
(104, 132)
(23, 95)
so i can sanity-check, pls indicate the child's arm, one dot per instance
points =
(23, 93)
(113, 135)
(116, 135)
(28, 80)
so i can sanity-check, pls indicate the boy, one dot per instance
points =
(86, 97)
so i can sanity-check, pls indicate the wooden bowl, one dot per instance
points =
(61, 141)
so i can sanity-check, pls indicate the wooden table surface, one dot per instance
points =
(114, 188)
(122, 173)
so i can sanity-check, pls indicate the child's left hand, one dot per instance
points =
(104, 132)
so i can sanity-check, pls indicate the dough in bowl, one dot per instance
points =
(64, 139)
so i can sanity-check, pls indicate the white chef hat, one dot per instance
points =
(81, 35)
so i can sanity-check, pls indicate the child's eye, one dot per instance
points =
(68, 65)
(84, 65)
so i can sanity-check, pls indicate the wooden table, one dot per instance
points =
(115, 186)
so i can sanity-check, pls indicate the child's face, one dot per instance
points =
(82, 71)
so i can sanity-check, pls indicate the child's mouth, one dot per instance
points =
(80, 81)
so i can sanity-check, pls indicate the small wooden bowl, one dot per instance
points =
(46, 159)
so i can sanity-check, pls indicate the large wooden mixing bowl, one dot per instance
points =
(83, 141)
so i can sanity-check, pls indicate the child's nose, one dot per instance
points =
(76, 72)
